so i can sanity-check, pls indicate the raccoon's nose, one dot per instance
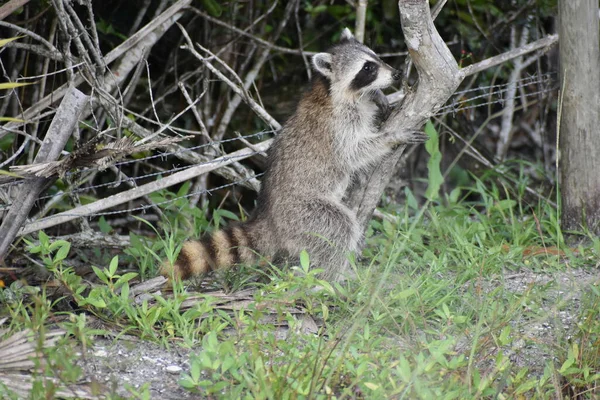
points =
(397, 75)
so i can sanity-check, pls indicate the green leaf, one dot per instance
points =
(44, 240)
(104, 225)
(100, 274)
(504, 336)
(212, 7)
(527, 386)
(227, 214)
(454, 195)
(434, 178)
(184, 189)
(569, 361)
(4, 42)
(62, 252)
(125, 292)
(12, 85)
(57, 244)
(412, 202)
(304, 260)
(505, 204)
(127, 277)
(95, 300)
(187, 382)
(112, 268)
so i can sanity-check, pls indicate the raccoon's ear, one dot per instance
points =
(346, 35)
(322, 63)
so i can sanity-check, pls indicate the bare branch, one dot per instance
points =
(543, 43)
(258, 40)
(251, 76)
(10, 7)
(27, 32)
(506, 126)
(148, 35)
(251, 103)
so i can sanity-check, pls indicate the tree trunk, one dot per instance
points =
(580, 116)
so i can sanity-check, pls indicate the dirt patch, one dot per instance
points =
(113, 364)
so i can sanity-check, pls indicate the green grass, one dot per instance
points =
(448, 303)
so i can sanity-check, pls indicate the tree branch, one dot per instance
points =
(439, 76)
(509, 55)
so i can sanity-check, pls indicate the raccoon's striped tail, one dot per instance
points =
(220, 250)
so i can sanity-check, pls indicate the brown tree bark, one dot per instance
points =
(580, 115)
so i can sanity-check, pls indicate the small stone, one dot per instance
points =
(101, 353)
(173, 369)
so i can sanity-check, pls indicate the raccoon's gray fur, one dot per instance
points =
(333, 135)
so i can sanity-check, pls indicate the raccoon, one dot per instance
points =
(333, 135)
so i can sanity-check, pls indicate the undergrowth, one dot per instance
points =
(447, 303)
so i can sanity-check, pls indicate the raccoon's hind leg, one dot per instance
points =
(328, 231)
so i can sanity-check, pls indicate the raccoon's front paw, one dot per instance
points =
(407, 137)
(417, 137)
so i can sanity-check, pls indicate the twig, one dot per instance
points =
(260, 41)
(179, 151)
(93, 30)
(33, 35)
(251, 76)
(248, 28)
(140, 16)
(37, 49)
(187, 97)
(147, 35)
(250, 145)
(62, 19)
(94, 239)
(135, 77)
(42, 87)
(251, 103)
(299, 30)
(91, 46)
(437, 9)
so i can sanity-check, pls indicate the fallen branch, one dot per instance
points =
(89, 156)
(124, 197)
(60, 130)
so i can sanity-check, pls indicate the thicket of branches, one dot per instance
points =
(221, 78)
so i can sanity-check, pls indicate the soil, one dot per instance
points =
(117, 364)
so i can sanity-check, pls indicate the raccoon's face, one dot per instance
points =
(353, 69)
